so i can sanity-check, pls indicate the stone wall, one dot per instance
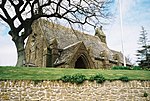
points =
(89, 91)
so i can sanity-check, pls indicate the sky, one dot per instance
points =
(135, 13)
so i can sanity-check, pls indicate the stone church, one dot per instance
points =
(53, 45)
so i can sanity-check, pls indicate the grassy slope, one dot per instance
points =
(28, 73)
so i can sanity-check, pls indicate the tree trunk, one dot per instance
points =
(20, 52)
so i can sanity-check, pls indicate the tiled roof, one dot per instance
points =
(68, 38)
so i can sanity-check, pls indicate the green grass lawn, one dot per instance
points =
(29, 73)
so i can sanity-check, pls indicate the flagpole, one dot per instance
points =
(121, 25)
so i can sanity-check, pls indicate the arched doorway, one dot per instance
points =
(81, 63)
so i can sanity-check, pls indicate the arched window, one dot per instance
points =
(49, 58)
(29, 56)
(36, 52)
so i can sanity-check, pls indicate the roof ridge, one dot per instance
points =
(72, 45)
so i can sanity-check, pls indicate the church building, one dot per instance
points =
(53, 45)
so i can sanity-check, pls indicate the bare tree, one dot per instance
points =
(20, 14)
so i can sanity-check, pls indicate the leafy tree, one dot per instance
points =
(20, 14)
(144, 50)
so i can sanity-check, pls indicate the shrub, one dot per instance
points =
(145, 94)
(99, 78)
(120, 68)
(124, 79)
(146, 68)
(37, 81)
(136, 68)
(78, 78)
(66, 78)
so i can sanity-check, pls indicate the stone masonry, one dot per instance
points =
(88, 91)
(53, 45)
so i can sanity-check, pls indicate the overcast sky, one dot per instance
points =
(135, 13)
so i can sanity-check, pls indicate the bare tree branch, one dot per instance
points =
(27, 11)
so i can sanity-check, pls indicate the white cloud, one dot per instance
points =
(130, 37)
(8, 53)
(133, 19)
(126, 5)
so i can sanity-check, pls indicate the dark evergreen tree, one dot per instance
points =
(143, 52)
